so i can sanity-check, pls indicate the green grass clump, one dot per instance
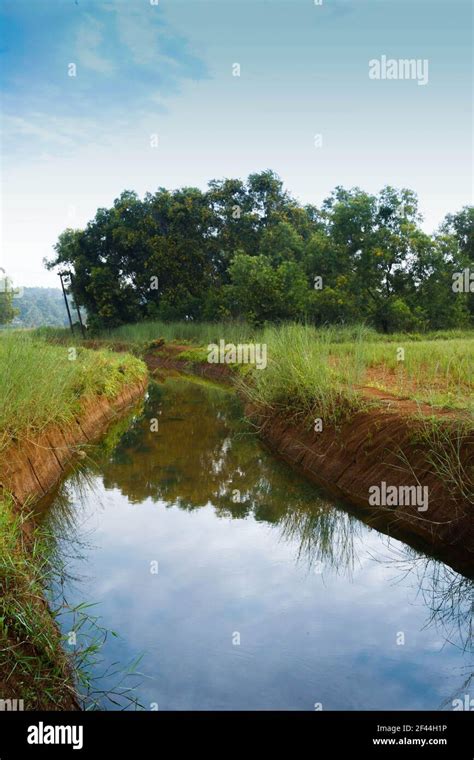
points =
(32, 663)
(42, 384)
(194, 354)
(299, 377)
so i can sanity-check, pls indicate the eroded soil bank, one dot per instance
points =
(376, 447)
(32, 467)
(392, 443)
(39, 674)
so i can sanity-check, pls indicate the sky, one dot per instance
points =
(99, 96)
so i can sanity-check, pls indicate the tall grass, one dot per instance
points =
(438, 372)
(437, 368)
(32, 663)
(310, 370)
(41, 383)
(299, 376)
(240, 331)
(192, 332)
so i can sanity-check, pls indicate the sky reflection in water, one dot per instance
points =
(317, 597)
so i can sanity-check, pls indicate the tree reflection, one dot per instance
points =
(449, 598)
(447, 595)
(203, 454)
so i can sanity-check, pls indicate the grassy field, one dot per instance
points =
(310, 371)
(306, 364)
(210, 332)
(439, 372)
(43, 383)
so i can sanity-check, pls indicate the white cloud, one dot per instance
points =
(89, 38)
(34, 126)
(141, 36)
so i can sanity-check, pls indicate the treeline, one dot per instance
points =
(249, 250)
(33, 307)
(40, 306)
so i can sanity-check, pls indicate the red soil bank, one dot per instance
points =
(373, 446)
(30, 468)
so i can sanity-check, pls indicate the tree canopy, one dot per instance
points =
(7, 310)
(248, 249)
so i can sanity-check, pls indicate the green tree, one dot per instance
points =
(260, 292)
(7, 310)
(247, 248)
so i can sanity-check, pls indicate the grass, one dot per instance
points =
(437, 368)
(444, 445)
(299, 377)
(32, 664)
(180, 331)
(189, 331)
(326, 364)
(310, 370)
(439, 372)
(34, 667)
(42, 385)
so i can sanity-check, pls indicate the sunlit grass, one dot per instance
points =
(437, 367)
(308, 369)
(41, 384)
(299, 376)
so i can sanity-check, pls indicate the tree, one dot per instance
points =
(461, 226)
(260, 292)
(129, 256)
(432, 270)
(7, 311)
(281, 242)
(246, 248)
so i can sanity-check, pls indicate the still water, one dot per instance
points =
(239, 585)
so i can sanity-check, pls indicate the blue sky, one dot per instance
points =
(72, 144)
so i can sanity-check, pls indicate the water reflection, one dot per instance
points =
(203, 453)
(319, 594)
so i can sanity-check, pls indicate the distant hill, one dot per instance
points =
(40, 306)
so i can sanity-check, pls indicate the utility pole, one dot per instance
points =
(61, 275)
(77, 308)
